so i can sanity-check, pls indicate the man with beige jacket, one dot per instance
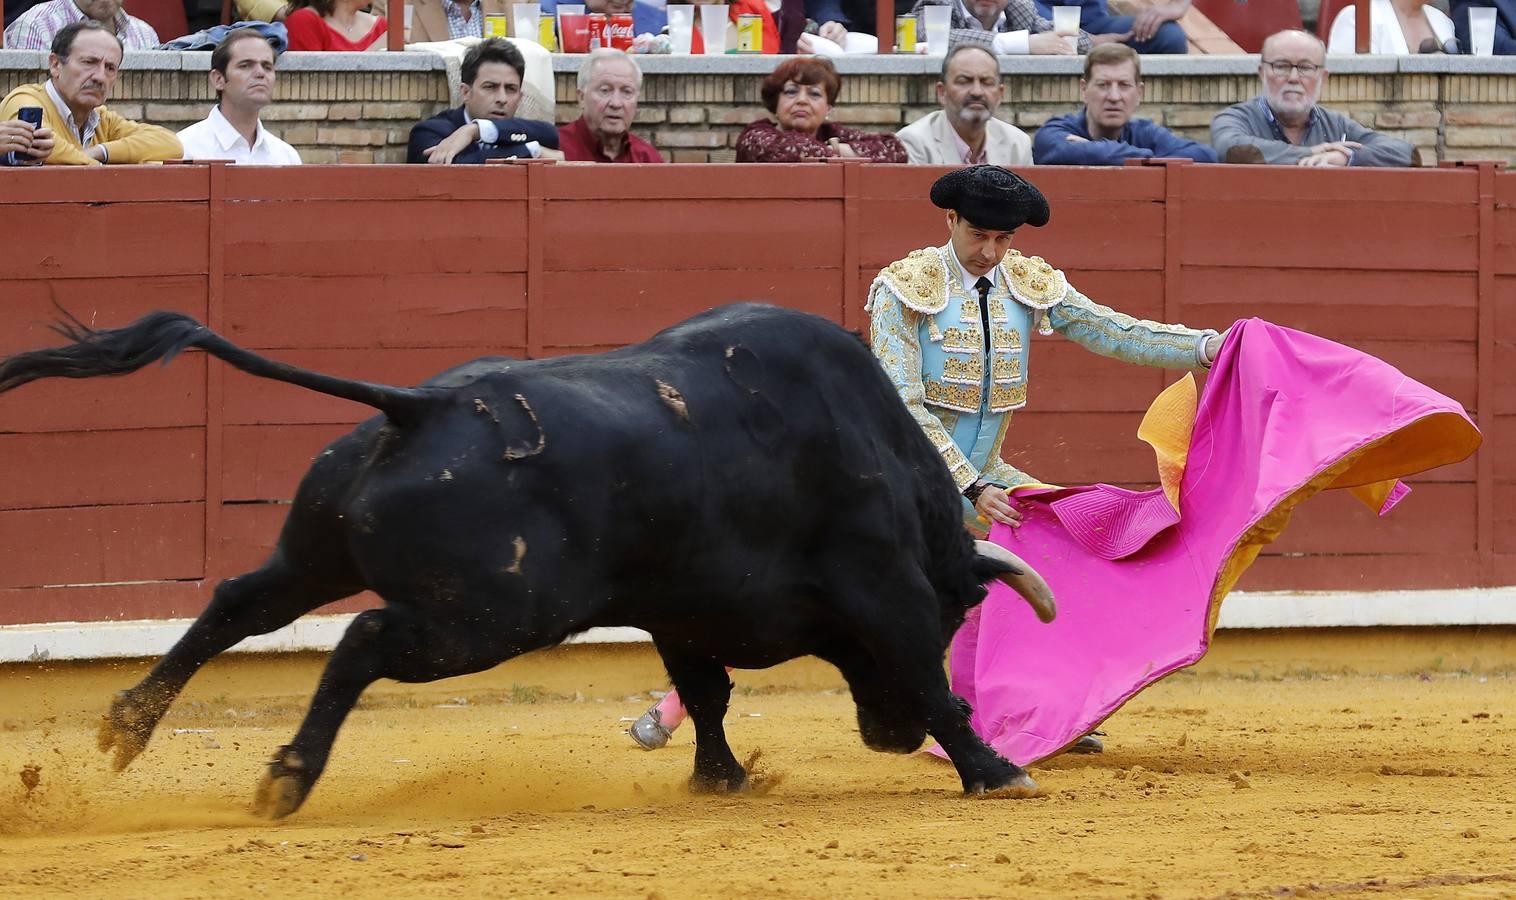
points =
(965, 131)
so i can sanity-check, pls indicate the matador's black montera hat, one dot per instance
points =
(992, 197)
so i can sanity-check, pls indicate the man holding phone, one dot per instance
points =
(84, 62)
(24, 141)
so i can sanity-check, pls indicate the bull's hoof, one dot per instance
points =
(125, 728)
(284, 786)
(732, 784)
(1087, 744)
(1018, 788)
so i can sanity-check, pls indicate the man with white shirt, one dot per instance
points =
(965, 131)
(485, 126)
(242, 74)
(1005, 27)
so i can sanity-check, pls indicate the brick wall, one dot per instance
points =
(365, 115)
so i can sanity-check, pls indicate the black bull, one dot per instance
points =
(746, 486)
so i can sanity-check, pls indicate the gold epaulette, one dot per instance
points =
(1033, 282)
(919, 281)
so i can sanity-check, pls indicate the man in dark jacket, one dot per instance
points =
(484, 127)
(1104, 132)
(1505, 24)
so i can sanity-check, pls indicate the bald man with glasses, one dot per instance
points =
(1285, 126)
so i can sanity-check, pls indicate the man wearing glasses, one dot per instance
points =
(1284, 126)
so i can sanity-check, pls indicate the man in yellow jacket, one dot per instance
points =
(83, 65)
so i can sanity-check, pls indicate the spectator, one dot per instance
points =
(836, 18)
(23, 145)
(965, 131)
(484, 127)
(609, 85)
(1104, 132)
(333, 25)
(242, 75)
(1284, 126)
(1004, 27)
(800, 93)
(449, 20)
(83, 64)
(263, 10)
(36, 28)
(1505, 24)
(1395, 27)
(1155, 29)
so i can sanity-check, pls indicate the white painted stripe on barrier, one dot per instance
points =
(1284, 609)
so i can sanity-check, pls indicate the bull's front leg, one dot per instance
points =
(910, 671)
(703, 685)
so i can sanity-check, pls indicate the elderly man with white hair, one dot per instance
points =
(1284, 126)
(609, 84)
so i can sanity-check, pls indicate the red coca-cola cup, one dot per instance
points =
(576, 33)
(619, 32)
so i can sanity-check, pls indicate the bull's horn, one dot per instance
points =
(1022, 579)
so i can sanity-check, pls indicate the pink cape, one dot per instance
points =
(1139, 577)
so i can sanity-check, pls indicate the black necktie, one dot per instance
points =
(984, 285)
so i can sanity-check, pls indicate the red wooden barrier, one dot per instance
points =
(123, 497)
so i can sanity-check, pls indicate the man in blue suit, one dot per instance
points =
(1154, 30)
(1505, 24)
(484, 127)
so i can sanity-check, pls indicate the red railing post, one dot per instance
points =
(884, 25)
(1484, 361)
(395, 12)
(1361, 32)
(850, 189)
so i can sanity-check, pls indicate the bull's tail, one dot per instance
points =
(161, 336)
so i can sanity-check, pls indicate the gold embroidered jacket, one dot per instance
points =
(928, 335)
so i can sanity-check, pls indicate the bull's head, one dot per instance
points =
(1019, 577)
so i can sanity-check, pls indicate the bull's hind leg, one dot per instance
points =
(256, 603)
(393, 642)
(706, 690)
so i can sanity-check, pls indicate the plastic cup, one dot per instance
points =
(681, 26)
(574, 31)
(939, 24)
(1066, 25)
(713, 28)
(1482, 30)
(566, 9)
(409, 14)
(525, 19)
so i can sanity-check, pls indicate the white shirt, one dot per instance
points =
(84, 131)
(971, 281)
(215, 138)
(1385, 36)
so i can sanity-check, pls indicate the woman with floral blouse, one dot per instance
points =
(800, 93)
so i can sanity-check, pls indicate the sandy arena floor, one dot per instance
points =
(1273, 770)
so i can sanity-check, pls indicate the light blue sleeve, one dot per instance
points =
(1102, 330)
(896, 341)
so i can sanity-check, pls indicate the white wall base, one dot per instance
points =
(1284, 609)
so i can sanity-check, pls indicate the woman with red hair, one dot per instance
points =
(800, 93)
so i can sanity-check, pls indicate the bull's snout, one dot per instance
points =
(1022, 579)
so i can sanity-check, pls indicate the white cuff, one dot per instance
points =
(535, 149)
(1201, 356)
(488, 133)
(1013, 42)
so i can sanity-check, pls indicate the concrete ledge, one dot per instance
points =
(733, 64)
(1332, 609)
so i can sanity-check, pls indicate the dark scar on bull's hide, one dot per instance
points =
(523, 453)
(762, 419)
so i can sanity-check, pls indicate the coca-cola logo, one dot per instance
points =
(617, 29)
